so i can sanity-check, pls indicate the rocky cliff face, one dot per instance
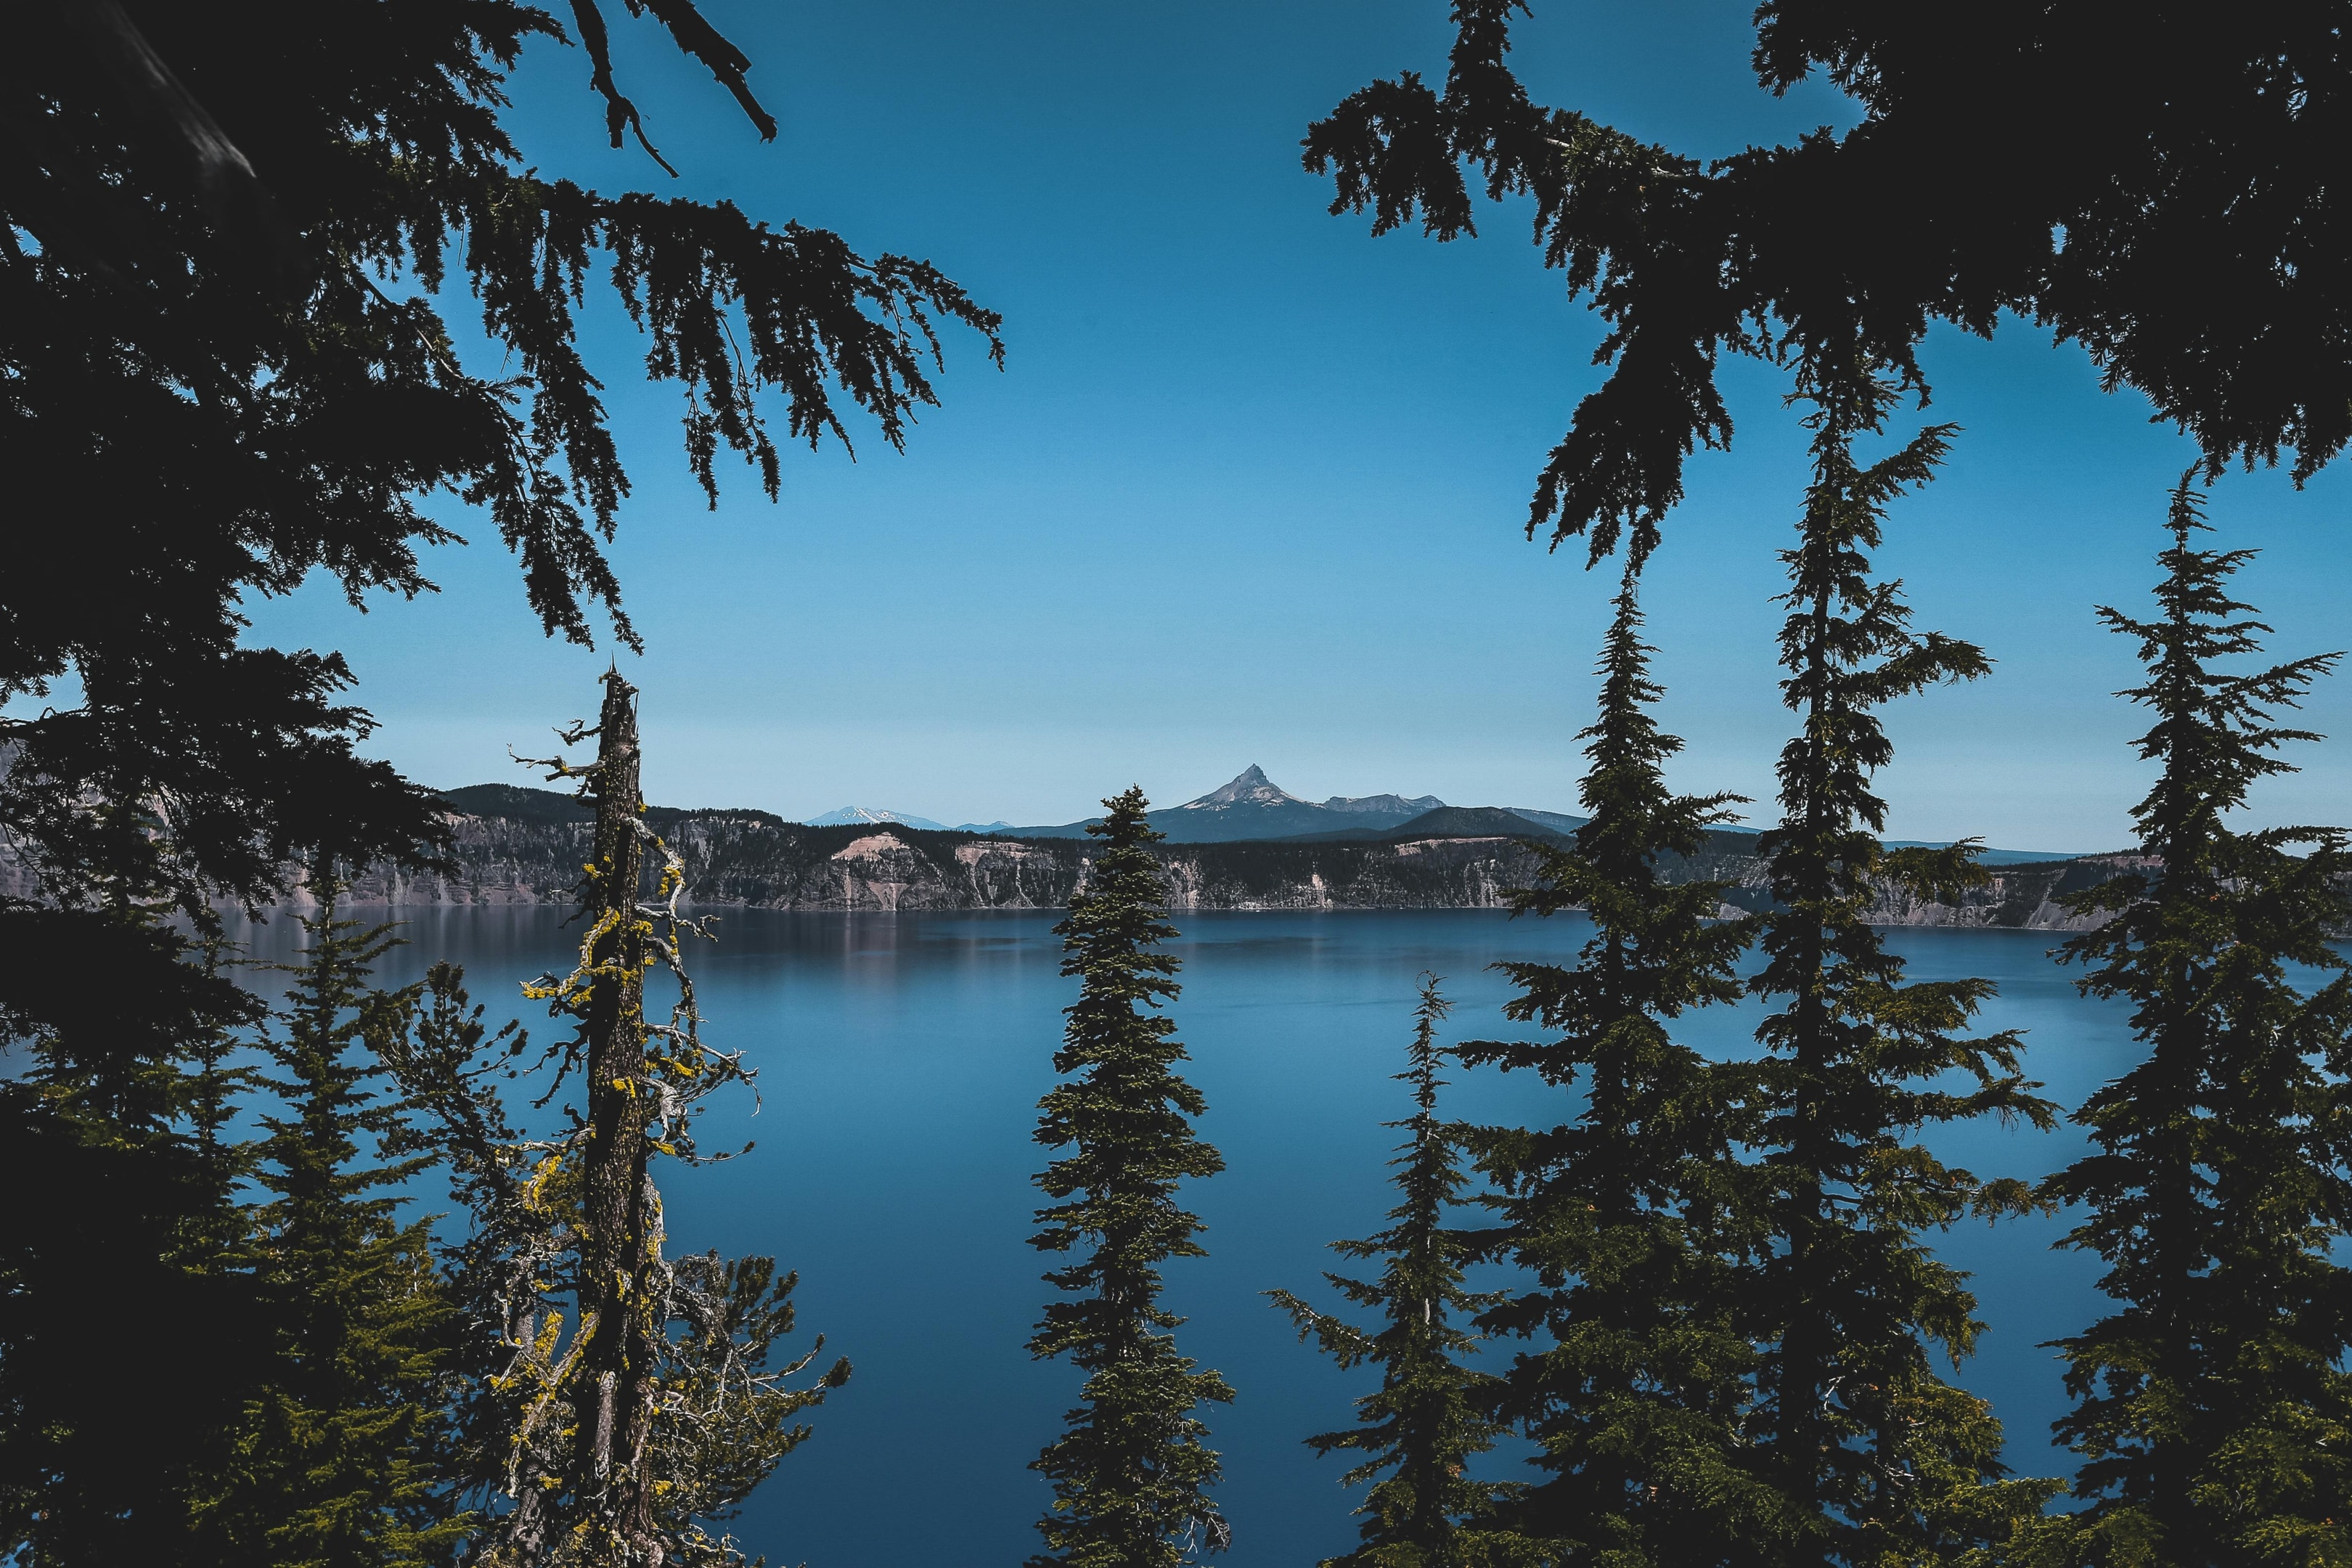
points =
(745, 859)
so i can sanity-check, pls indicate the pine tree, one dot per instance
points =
(1632, 1217)
(2213, 1409)
(1132, 1473)
(228, 247)
(341, 1456)
(1425, 1423)
(1881, 1458)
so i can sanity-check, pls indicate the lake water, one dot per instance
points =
(900, 1058)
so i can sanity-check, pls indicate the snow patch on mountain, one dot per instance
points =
(1248, 787)
(850, 815)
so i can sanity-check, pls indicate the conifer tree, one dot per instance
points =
(1132, 1473)
(1881, 1459)
(1632, 1218)
(342, 1453)
(1425, 1423)
(2213, 1409)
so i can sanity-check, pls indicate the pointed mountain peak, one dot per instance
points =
(1249, 787)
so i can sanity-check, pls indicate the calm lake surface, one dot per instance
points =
(900, 1058)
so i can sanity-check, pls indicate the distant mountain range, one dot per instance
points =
(1252, 807)
(851, 816)
(511, 845)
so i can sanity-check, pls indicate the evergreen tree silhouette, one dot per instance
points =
(1425, 1422)
(2211, 1407)
(1632, 1218)
(1132, 1473)
(1880, 1458)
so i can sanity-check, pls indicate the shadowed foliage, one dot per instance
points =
(2211, 1407)
(1635, 1219)
(1881, 1459)
(234, 235)
(2158, 184)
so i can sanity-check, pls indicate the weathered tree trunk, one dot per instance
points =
(620, 1248)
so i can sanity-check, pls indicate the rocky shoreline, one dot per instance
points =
(531, 853)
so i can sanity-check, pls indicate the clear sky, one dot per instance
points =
(1250, 487)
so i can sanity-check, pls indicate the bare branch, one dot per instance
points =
(619, 111)
(700, 39)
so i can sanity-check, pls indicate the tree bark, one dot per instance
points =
(619, 1248)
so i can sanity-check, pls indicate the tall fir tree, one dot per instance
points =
(1427, 1421)
(1132, 1474)
(1633, 1218)
(342, 1453)
(2213, 1409)
(1881, 1459)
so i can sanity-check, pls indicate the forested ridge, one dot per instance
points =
(310, 1268)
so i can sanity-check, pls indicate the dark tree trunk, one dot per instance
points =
(619, 1249)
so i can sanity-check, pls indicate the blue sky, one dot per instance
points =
(1250, 487)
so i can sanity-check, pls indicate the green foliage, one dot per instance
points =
(1132, 1473)
(1425, 1423)
(340, 1455)
(2211, 1407)
(226, 248)
(1632, 1219)
(1880, 1460)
